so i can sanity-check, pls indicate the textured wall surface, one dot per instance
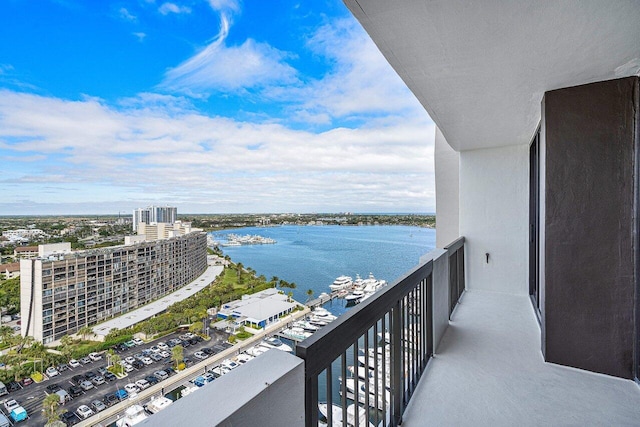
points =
(590, 134)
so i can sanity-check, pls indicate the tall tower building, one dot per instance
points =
(154, 214)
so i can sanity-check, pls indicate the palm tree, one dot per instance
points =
(177, 354)
(50, 406)
(309, 294)
(6, 333)
(85, 331)
(66, 340)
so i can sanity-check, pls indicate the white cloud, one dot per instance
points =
(221, 68)
(159, 148)
(168, 8)
(125, 14)
(141, 36)
(5, 68)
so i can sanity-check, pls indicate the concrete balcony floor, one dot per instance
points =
(489, 371)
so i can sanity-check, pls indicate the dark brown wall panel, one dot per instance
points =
(589, 223)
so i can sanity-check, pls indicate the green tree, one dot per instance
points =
(196, 327)
(309, 294)
(177, 354)
(85, 331)
(6, 334)
(51, 408)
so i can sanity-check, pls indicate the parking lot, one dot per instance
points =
(31, 397)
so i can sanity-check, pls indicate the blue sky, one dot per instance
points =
(213, 106)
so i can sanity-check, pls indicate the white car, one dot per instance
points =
(10, 405)
(127, 367)
(165, 353)
(74, 363)
(155, 349)
(129, 359)
(51, 372)
(200, 355)
(142, 384)
(131, 388)
(146, 360)
(95, 356)
(162, 346)
(83, 412)
(138, 341)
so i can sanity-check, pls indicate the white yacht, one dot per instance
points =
(383, 398)
(133, 415)
(273, 342)
(354, 297)
(336, 416)
(341, 282)
(157, 404)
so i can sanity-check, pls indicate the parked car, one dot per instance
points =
(130, 344)
(147, 361)
(69, 418)
(85, 360)
(138, 341)
(102, 370)
(62, 367)
(110, 376)
(83, 412)
(127, 367)
(13, 386)
(99, 380)
(90, 375)
(129, 359)
(162, 346)
(74, 391)
(74, 363)
(151, 379)
(110, 399)
(26, 381)
(52, 388)
(51, 372)
(64, 396)
(121, 394)
(142, 384)
(137, 364)
(208, 351)
(95, 356)
(86, 385)
(200, 355)
(10, 405)
(77, 379)
(131, 388)
(165, 354)
(185, 343)
(98, 405)
(161, 375)
(156, 357)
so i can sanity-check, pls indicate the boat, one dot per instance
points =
(342, 282)
(157, 404)
(354, 297)
(306, 326)
(133, 415)
(336, 416)
(273, 342)
(187, 391)
(383, 398)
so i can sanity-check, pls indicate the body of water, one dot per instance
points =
(313, 256)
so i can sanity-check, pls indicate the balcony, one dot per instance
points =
(439, 355)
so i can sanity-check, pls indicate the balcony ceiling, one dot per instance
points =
(480, 68)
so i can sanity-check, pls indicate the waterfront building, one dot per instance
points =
(61, 291)
(23, 235)
(154, 214)
(162, 230)
(537, 109)
(258, 310)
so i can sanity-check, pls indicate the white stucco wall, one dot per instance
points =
(494, 218)
(447, 170)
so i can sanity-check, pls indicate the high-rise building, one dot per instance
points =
(154, 214)
(62, 291)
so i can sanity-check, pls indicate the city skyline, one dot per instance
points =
(212, 106)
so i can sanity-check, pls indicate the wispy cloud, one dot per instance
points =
(140, 36)
(214, 163)
(126, 15)
(168, 8)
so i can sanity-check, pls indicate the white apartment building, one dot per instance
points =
(154, 214)
(62, 291)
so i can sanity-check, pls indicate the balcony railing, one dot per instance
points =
(455, 251)
(388, 341)
(375, 354)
